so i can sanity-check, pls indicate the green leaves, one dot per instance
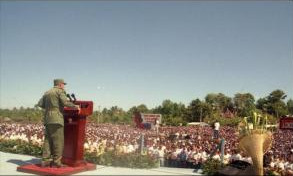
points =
(244, 103)
(173, 113)
(211, 166)
(290, 106)
(255, 123)
(274, 103)
(20, 147)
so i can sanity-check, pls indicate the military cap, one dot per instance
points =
(58, 81)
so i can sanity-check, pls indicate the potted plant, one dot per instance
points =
(255, 140)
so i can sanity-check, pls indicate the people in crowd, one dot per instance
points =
(171, 146)
(216, 129)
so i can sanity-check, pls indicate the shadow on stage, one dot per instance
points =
(23, 162)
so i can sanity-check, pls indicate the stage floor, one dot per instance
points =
(9, 163)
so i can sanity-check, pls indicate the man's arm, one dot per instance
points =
(41, 103)
(65, 102)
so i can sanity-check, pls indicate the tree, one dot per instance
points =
(211, 99)
(197, 111)
(140, 108)
(172, 113)
(114, 115)
(244, 104)
(167, 107)
(219, 102)
(262, 104)
(274, 103)
(290, 106)
(276, 96)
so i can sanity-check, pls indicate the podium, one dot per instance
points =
(74, 133)
(74, 137)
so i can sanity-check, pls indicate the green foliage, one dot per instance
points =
(261, 104)
(174, 113)
(244, 104)
(274, 103)
(254, 123)
(109, 158)
(22, 114)
(272, 119)
(113, 115)
(271, 173)
(197, 111)
(219, 101)
(20, 147)
(290, 106)
(140, 108)
(233, 122)
(211, 166)
(174, 121)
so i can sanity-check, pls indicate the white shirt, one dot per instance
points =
(217, 126)
(291, 166)
(161, 153)
(217, 157)
(236, 157)
(272, 164)
(130, 148)
(157, 123)
(281, 165)
(247, 159)
(124, 148)
(196, 156)
(178, 151)
(227, 157)
(204, 154)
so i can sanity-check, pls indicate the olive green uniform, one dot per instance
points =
(53, 102)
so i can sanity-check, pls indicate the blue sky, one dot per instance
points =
(132, 52)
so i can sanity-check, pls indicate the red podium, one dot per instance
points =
(74, 133)
(74, 136)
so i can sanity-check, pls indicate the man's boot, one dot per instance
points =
(57, 163)
(46, 162)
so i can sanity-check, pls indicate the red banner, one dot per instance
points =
(286, 123)
(151, 118)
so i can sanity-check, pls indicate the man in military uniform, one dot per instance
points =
(53, 102)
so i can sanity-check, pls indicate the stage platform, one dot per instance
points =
(9, 163)
(37, 169)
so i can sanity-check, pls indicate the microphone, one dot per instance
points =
(73, 96)
(69, 97)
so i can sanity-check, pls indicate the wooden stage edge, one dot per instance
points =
(37, 169)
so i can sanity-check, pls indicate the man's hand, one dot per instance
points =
(78, 108)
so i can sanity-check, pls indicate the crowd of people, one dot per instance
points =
(187, 146)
